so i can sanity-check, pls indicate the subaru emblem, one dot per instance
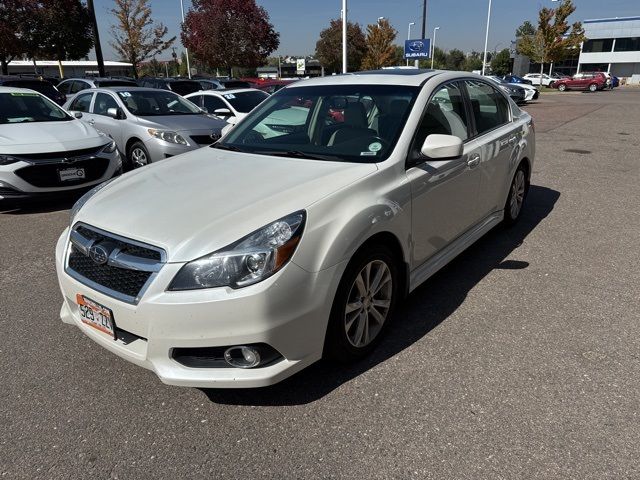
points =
(99, 254)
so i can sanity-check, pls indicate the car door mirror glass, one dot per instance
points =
(442, 147)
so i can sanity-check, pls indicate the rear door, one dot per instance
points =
(495, 142)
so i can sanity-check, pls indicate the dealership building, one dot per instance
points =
(613, 45)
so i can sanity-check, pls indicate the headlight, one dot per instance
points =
(168, 136)
(85, 198)
(8, 159)
(109, 147)
(248, 261)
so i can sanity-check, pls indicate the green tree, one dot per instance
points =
(229, 33)
(501, 62)
(439, 60)
(329, 46)
(473, 62)
(136, 37)
(398, 55)
(16, 23)
(381, 51)
(455, 60)
(525, 30)
(555, 38)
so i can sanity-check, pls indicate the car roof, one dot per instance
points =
(226, 91)
(125, 89)
(392, 76)
(16, 90)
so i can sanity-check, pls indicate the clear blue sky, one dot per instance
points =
(461, 22)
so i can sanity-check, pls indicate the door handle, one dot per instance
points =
(474, 161)
(513, 140)
(92, 121)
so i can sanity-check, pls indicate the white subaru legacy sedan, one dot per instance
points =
(240, 264)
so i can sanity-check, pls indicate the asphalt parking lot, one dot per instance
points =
(518, 360)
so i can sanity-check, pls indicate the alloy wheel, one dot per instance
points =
(368, 303)
(139, 157)
(517, 194)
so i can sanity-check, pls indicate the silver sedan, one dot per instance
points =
(147, 124)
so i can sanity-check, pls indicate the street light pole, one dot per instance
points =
(96, 37)
(433, 46)
(344, 36)
(424, 26)
(409, 37)
(186, 50)
(486, 40)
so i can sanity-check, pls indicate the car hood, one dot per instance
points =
(44, 137)
(198, 202)
(183, 123)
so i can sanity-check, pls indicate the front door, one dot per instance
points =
(103, 122)
(444, 192)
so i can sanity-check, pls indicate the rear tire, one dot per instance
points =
(138, 155)
(517, 196)
(364, 304)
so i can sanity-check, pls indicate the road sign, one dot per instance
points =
(300, 66)
(415, 49)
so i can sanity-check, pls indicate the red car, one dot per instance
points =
(591, 81)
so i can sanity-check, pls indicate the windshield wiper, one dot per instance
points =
(224, 146)
(299, 154)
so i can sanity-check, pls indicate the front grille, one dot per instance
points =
(203, 139)
(66, 154)
(129, 268)
(47, 175)
(121, 280)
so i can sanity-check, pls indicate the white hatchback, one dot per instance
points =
(44, 150)
(247, 261)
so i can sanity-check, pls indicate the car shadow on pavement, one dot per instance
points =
(429, 305)
(40, 205)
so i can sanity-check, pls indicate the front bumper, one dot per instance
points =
(288, 311)
(12, 186)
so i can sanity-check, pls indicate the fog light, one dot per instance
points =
(242, 357)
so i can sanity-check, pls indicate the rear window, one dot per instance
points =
(42, 87)
(185, 87)
(116, 83)
(244, 102)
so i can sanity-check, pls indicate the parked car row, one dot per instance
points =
(519, 92)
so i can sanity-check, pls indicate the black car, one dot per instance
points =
(231, 83)
(179, 86)
(41, 86)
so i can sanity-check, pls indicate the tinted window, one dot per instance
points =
(42, 87)
(184, 87)
(631, 44)
(212, 103)
(25, 107)
(102, 103)
(490, 109)
(244, 102)
(599, 45)
(81, 103)
(116, 83)
(65, 87)
(148, 103)
(78, 86)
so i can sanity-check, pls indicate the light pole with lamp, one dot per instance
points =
(433, 46)
(409, 37)
(186, 50)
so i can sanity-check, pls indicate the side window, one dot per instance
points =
(445, 115)
(196, 99)
(78, 86)
(212, 103)
(103, 102)
(490, 109)
(81, 103)
(64, 87)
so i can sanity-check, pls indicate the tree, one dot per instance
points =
(229, 33)
(329, 46)
(554, 39)
(380, 48)
(501, 62)
(64, 30)
(136, 37)
(398, 55)
(525, 30)
(455, 60)
(473, 62)
(439, 59)
(16, 23)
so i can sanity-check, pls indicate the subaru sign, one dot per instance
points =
(415, 49)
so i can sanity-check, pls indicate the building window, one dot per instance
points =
(599, 45)
(631, 44)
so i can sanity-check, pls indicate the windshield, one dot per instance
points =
(244, 102)
(27, 107)
(350, 123)
(153, 103)
(185, 87)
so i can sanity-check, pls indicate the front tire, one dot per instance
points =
(363, 305)
(593, 87)
(517, 196)
(138, 155)
(562, 87)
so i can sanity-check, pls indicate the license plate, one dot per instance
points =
(96, 315)
(67, 174)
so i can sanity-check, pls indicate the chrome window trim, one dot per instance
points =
(116, 259)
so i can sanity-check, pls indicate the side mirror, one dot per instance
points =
(442, 147)
(78, 115)
(116, 113)
(222, 112)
